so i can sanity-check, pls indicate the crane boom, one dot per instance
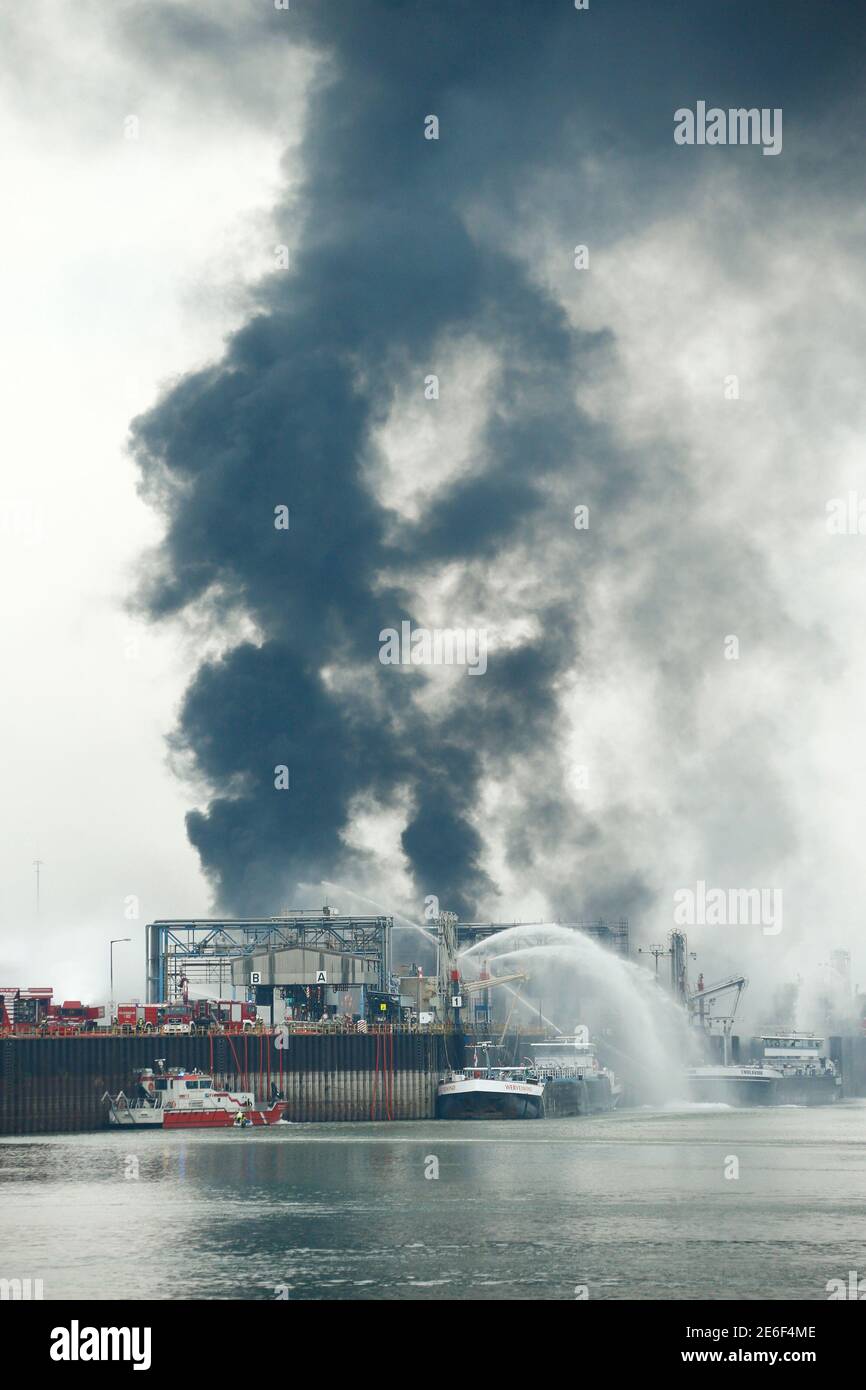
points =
(699, 1000)
(475, 986)
(737, 982)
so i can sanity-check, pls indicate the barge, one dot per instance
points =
(791, 1071)
(490, 1093)
(564, 1077)
(575, 1082)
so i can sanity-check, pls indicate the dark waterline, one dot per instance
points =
(633, 1206)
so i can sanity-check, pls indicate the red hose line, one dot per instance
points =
(375, 1081)
(391, 1081)
(238, 1071)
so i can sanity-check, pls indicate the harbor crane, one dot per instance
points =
(490, 982)
(452, 987)
(700, 999)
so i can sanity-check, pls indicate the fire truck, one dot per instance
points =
(225, 1015)
(29, 1010)
(187, 1016)
(152, 1018)
(72, 1017)
(139, 1018)
(22, 1010)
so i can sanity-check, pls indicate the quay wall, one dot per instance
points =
(55, 1085)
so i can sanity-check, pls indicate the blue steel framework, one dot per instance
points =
(201, 948)
(612, 933)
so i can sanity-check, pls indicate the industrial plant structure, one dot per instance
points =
(296, 949)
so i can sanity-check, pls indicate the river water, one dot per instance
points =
(634, 1205)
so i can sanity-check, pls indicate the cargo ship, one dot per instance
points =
(575, 1082)
(485, 1092)
(490, 1093)
(791, 1071)
(563, 1078)
(179, 1099)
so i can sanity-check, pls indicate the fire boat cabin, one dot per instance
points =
(180, 1099)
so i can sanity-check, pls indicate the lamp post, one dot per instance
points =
(111, 945)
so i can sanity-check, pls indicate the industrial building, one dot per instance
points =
(313, 960)
(319, 964)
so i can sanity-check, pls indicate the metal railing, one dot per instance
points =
(296, 1025)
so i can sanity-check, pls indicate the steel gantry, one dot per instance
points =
(200, 950)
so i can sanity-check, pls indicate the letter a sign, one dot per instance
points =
(321, 977)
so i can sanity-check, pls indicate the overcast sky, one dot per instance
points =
(611, 754)
(124, 263)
